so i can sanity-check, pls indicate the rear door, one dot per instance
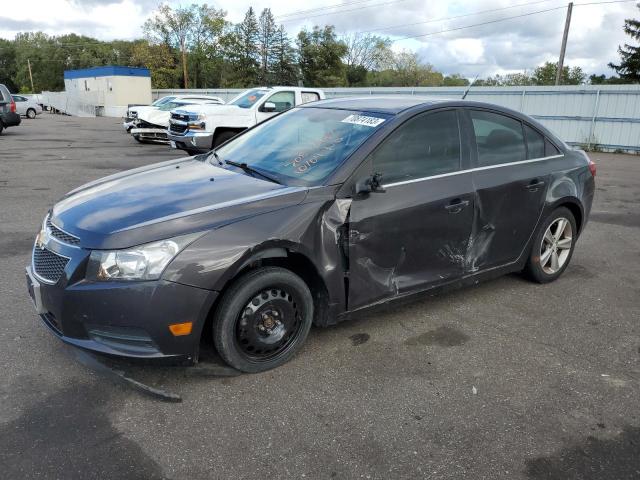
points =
(415, 234)
(510, 178)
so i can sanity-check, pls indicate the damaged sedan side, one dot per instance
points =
(319, 212)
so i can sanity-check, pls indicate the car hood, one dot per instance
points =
(165, 200)
(155, 116)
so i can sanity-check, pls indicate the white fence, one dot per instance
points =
(606, 116)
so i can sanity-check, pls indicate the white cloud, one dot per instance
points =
(512, 45)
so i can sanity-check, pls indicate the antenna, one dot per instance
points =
(469, 87)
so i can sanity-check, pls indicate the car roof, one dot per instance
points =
(381, 104)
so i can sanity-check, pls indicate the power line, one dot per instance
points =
(442, 19)
(327, 7)
(507, 18)
(340, 11)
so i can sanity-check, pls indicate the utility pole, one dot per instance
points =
(564, 43)
(30, 76)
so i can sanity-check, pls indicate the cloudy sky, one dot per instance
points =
(436, 27)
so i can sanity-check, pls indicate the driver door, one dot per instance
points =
(415, 234)
(283, 100)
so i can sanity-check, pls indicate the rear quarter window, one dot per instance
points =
(535, 143)
(310, 97)
(550, 149)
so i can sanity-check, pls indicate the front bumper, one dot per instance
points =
(152, 134)
(128, 124)
(127, 319)
(191, 141)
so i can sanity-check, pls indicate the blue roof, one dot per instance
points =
(107, 71)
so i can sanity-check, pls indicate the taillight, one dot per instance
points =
(592, 167)
(12, 106)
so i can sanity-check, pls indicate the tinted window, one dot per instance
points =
(426, 145)
(282, 100)
(550, 149)
(304, 145)
(499, 138)
(535, 142)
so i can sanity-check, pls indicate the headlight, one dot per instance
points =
(144, 262)
(199, 123)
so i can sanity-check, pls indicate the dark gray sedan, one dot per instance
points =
(319, 212)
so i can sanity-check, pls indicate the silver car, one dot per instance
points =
(27, 106)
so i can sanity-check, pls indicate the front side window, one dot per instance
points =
(282, 100)
(499, 138)
(535, 143)
(426, 145)
(304, 145)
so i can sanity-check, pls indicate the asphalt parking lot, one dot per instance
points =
(507, 379)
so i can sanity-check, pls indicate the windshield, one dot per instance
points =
(162, 101)
(250, 98)
(165, 107)
(302, 146)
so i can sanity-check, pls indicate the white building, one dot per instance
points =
(109, 89)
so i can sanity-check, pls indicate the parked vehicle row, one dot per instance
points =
(27, 106)
(199, 123)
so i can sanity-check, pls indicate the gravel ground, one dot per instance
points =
(507, 379)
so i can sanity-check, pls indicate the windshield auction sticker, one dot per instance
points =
(363, 120)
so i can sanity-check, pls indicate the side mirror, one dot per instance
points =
(372, 184)
(269, 107)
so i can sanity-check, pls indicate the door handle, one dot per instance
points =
(456, 206)
(534, 185)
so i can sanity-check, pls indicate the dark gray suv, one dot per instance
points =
(8, 115)
(319, 212)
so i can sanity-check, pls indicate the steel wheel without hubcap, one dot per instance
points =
(268, 324)
(556, 245)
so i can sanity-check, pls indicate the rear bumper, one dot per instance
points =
(125, 319)
(192, 141)
(10, 119)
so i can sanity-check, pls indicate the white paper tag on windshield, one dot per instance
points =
(363, 120)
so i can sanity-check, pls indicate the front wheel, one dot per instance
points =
(552, 246)
(263, 319)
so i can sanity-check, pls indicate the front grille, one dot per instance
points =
(48, 265)
(61, 235)
(177, 128)
(184, 117)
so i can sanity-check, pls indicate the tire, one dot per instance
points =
(263, 319)
(223, 137)
(31, 113)
(552, 250)
(1, 128)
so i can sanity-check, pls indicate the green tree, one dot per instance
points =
(285, 69)
(455, 80)
(242, 51)
(205, 46)
(267, 41)
(629, 67)
(365, 52)
(173, 27)
(161, 62)
(604, 80)
(8, 64)
(546, 75)
(320, 56)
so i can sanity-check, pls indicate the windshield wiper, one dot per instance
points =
(249, 169)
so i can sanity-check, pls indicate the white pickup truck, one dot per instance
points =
(200, 128)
